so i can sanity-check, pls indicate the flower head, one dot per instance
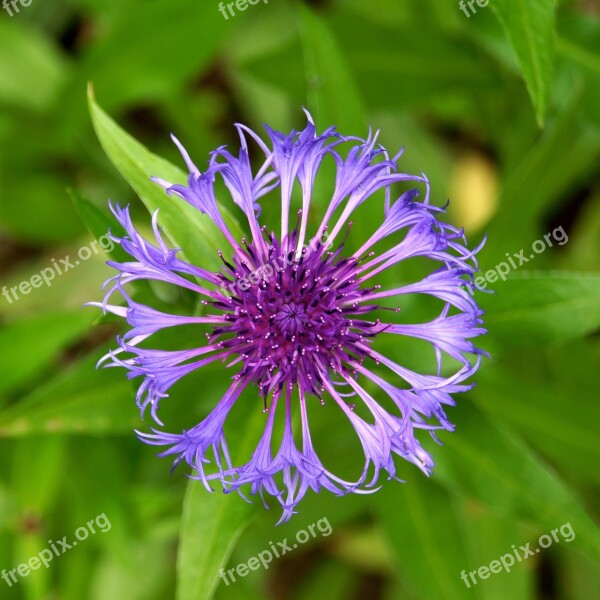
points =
(296, 316)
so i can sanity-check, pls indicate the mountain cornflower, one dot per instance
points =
(293, 315)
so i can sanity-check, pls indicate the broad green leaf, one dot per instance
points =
(550, 381)
(533, 307)
(485, 462)
(486, 538)
(328, 77)
(421, 529)
(213, 522)
(529, 25)
(197, 236)
(432, 532)
(31, 344)
(83, 400)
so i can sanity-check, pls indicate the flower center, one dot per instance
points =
(296, 320)
(289, 318)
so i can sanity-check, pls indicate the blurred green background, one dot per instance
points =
(501, 109)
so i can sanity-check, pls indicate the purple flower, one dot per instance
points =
(297, 319)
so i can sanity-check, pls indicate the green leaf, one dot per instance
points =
(82, 400)
(420, 526)
(487, 463)
(29, 345)
(534, 307)
(431, 531)
(529, 26)
(486, 538)
(212, 523)
(197, 236)
(211, 526)
(550, 381)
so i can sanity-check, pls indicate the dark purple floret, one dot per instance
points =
(294, 316)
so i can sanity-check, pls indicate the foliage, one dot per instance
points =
(500, 109)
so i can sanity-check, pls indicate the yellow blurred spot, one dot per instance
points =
(473, 191)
